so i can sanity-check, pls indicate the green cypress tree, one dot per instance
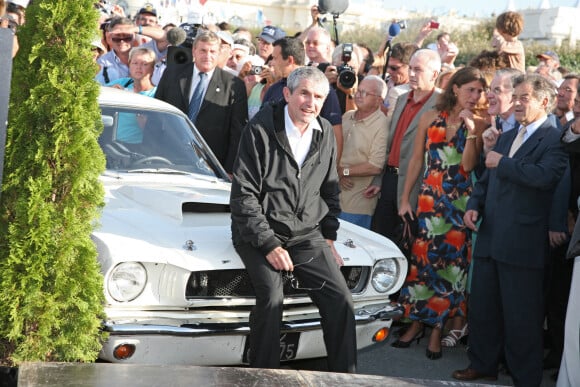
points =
(51, 289)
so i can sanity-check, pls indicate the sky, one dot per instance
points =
(476, 7)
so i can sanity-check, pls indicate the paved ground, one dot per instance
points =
(382, 359)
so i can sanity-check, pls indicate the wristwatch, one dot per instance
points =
(345, 172)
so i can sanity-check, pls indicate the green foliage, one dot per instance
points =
(50, 283)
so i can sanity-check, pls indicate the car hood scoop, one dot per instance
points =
(170, 201)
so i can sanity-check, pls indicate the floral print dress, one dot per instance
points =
(434, 289)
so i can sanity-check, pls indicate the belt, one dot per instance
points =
(393, 170)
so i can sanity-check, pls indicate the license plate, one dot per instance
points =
(288, 347)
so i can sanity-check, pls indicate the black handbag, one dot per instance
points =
(407, 235)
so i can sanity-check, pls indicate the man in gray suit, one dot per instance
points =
(424, 67)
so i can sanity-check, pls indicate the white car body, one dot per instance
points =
(164, 239)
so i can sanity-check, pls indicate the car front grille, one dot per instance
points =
(236, 283)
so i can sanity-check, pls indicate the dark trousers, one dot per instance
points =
(386, 220)
(506, 316)
(333, 300)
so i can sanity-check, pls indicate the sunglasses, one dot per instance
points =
(123, 38)
(295, 284)
(394, 68)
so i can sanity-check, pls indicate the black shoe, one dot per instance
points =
(433, 355)
(406, 344)
(401, 331)
(469, 375)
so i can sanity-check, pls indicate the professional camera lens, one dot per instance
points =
(346, 76)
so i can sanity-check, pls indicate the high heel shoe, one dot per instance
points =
(405, 344)
(433, 355)
(455, 336)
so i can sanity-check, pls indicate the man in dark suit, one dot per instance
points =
(513, 196)
(219, 107)
(423, 70)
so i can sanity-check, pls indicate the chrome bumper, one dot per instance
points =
(363, 315)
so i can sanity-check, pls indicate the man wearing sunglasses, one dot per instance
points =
(398, 70)
(121, 35)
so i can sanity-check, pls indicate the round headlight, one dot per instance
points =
(126, 281)
(385, 275)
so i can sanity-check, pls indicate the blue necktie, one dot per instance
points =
(498, 124)
(196, 99)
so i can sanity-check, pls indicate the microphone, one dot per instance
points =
(176, 36)
(394, 30)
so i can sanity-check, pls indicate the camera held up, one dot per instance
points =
(346, 74)
(255, 70)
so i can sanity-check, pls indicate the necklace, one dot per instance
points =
(451, 128)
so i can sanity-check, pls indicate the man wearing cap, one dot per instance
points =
(266, 39)
(147, 16)
(548, 66)
(240, 51)
(212, 98)
(225, 51)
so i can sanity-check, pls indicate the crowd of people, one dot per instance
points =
(477, 161)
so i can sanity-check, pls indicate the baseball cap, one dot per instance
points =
(98, 44)
(270, 34)
(22, 3)
(148, 8)
(225, 37)
(549, 55)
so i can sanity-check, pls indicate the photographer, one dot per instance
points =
(251, 69)
(342, 74)
(318, 46)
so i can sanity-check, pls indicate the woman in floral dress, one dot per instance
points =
(448, 144)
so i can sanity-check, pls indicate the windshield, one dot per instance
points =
(135, 140)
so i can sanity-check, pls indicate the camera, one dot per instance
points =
(255, 70)
(191, 31)
(346, 74)
(402, 24)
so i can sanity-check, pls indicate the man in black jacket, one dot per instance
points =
(284, 205)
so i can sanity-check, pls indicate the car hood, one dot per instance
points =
(185, 221)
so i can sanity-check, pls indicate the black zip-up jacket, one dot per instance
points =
(273, 201)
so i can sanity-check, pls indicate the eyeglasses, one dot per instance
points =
(394, 68)
(122, 38)
(364, 93)
(295, 284)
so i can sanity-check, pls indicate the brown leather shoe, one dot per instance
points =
(470, 374)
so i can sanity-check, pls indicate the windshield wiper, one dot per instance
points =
(159, 170)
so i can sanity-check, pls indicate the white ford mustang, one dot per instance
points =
(176, 291)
